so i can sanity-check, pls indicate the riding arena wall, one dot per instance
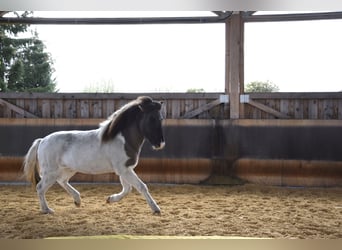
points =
(286, 139)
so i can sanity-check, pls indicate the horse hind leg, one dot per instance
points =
(126, 189)
(63, 181)
(42, 187)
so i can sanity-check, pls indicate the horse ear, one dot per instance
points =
(141, 108)
(145, 103)
(158, 105)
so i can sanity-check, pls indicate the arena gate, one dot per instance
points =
(291, 139)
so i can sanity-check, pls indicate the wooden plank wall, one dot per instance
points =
(99, 105)
(325, 106)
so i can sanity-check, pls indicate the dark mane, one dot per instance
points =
(122, 118)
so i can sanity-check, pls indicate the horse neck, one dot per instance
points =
(133, 138)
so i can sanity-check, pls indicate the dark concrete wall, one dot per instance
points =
(246, 139)
(15, 140)
(218, 144)
(211, 139)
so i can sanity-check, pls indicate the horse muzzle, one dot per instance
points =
(159, 147)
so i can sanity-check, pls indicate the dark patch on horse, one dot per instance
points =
(119, 122)
(128, 121)
(36, 175)
(133, 144)
(125, 117)
(68, 140)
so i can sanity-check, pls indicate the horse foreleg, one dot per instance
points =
(126, 189)
(131, 177)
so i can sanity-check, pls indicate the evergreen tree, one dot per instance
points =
(24, 65)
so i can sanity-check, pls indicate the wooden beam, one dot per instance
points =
(223, 14)
(168, 96)
(17, 109)
(114, 21)
(100, 96)
(201, 109)
(293, 17)
(2, 13)
(296, 95)
(267, 109)
(234, 63)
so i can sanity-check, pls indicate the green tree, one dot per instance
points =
(195, 90)
(102, 86)
(24, 65)
(259, 86)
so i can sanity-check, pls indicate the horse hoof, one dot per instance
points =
(108, 200)
(77, 204)
(157, 213)
(48, 211)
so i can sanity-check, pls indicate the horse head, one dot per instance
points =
(151, 122)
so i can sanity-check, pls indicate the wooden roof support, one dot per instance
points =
(234, 82)
(293, 17)
(117, 21)
(2, 13)
(267, 109)
(221, 17)
(206, 107)
(223, 14)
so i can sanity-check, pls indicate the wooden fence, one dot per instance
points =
(325, 106)
(101, 105)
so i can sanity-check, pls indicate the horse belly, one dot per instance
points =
(94, 160)
(87, 163)
(91, 167)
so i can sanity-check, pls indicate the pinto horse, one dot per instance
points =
(114, 147)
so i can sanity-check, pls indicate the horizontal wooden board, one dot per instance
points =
(321, 106)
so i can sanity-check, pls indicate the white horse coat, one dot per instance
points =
(83, 151)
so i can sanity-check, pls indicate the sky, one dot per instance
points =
(297, 56)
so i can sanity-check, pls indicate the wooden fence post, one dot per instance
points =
(234, 83)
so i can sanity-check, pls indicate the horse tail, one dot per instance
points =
(31, 166)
